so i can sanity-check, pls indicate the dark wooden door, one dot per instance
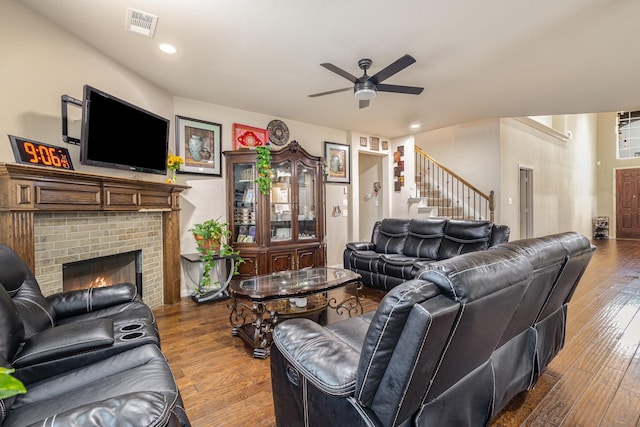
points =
(627, 203)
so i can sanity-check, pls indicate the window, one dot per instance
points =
(628, 134)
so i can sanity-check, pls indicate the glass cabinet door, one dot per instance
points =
(307, 214)
(281, 202)
(244, 203)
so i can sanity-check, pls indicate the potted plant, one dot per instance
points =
(9, 386)
(212, 238)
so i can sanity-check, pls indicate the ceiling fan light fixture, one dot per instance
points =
(365, 94)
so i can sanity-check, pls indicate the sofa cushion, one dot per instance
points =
(399, 266)
(424, 238)
(462, 236)
(391, 235)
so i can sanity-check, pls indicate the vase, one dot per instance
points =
(173, 176)
(196, 144)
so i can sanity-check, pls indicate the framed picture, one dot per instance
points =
(363, 141)
(375, 143)
(397, 171)
(199, 143)
(396, 156)
(385, 145)
(338, 161)
(401, 150)
(401, 165)
(249, 137)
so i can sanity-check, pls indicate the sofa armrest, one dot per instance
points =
(320, 356)
(361, 246)
(72, 303)
(132, 409)
(64, 341)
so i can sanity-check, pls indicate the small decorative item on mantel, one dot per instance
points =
(173, 164)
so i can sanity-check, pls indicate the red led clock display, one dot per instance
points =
(30, 152)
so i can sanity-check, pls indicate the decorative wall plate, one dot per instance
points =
(278, 132)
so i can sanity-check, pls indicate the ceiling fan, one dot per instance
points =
(366, 87)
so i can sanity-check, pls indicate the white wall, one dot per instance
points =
(471, 150)
(42, 62)
(489, 154)
(563, 172)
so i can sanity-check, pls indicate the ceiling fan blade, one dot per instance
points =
(330, 92)
(340, 72)
(390, 70)
(364, 103)
(411, 90)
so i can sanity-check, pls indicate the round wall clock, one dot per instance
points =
(278, 132)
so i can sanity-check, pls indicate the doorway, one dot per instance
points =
(526, 203)
(371, 202)
(627, 204)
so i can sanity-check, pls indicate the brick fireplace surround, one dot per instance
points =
(50, 217)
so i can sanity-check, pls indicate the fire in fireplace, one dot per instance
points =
(103, 271)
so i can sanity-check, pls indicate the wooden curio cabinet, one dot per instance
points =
(283, 230)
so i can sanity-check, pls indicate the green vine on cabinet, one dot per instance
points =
(263, 166)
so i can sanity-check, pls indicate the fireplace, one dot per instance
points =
(103, 271)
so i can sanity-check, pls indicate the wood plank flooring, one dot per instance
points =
(594, 380)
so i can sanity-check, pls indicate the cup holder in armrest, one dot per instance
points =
(131, 328)
(132, 336)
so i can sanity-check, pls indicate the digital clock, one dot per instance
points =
(30, 152)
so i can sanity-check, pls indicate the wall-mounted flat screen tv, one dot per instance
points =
(117, 134)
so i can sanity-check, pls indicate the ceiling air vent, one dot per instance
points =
(141, 22)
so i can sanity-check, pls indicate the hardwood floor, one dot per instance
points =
(594, 380)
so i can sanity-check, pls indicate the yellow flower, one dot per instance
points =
(174, 162)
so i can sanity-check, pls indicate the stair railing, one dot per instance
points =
(448, 192)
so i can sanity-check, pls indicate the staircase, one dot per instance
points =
(440, 192)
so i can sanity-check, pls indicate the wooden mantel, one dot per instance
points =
(25, 190)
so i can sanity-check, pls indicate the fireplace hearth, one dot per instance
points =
(103, 271)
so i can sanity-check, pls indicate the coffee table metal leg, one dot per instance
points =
(251, 324)
(351, 305)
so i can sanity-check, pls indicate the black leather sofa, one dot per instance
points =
(400, 247)
(449, 348)
(87, 357)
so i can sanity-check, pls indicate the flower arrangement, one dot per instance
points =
(173, 164)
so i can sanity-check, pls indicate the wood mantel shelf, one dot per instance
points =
(25, 190)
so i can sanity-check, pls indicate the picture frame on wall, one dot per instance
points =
(199, 143)
(385, 145)
(363, 141)
(338, 160)
(375, 143)
(248, 136)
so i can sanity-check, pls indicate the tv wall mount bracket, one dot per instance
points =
(66, 99)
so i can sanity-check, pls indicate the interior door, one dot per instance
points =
(627, 206)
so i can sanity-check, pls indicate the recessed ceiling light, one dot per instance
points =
(415, 126)
(168, 48)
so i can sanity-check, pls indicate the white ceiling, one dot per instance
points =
(475, 59)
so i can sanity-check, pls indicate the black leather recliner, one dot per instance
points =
(101, 366)
(449, 348)
(70, 329)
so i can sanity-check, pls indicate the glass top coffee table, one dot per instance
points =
(260, 302)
